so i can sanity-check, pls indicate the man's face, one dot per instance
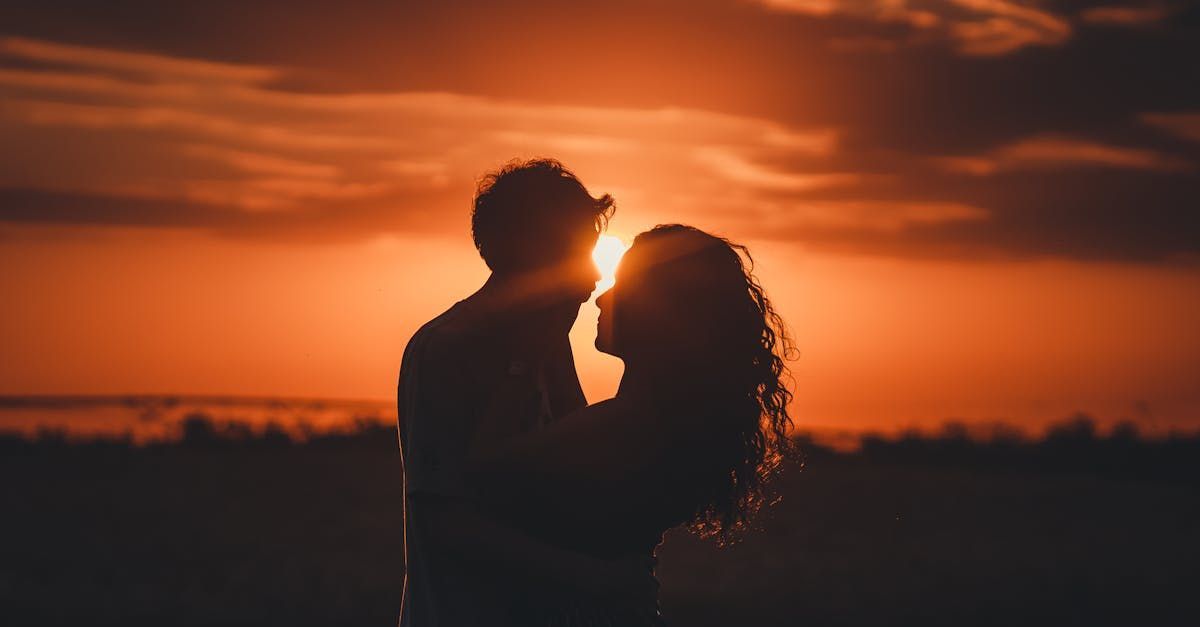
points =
(558, 289)
(577, 270)
(567, 277)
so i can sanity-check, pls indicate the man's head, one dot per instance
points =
(535, 219)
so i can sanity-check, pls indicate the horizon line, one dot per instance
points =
(34, 400)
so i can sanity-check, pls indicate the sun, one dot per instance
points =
(607, 254)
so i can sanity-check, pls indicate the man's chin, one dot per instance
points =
(564, 314)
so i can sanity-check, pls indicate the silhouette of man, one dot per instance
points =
(535, 226)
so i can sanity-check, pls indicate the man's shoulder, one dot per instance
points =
(449, 338)
(444, 330)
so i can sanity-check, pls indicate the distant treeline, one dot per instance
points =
(1073, 445)
(200, 431)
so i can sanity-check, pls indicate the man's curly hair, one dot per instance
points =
(522, 210)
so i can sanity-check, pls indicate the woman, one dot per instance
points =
(696, 431)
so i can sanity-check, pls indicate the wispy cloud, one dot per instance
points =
(1003, 27)
(973, 27)
(1060, 152)
(736, 168)
(1135, 15)
(257, 163)
(153, 65)
(880, 216)
(115, 137)
(220, 135)
(1185, 125)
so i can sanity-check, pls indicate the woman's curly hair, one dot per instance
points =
(747, 344)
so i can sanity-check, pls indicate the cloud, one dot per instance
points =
(597, 144)
(219, 135)
(973, 27)
(1005, 27)
(1184, 125)
(435, 173)
(182, 118)
(863, 43)
(1066, 152)
(132, 62)
(894, 11)
(1126, 15)
(736, 168)
(258, 163)
(355, 123)
(267, 194)
(1058, 152)
(878, 216)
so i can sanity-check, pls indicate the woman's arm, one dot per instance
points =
(436, 427)
(594, 448)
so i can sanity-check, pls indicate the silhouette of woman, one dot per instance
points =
(695, 433)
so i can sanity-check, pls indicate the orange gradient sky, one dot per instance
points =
(952, 221)
(883, 343)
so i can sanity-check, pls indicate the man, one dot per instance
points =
(535, 226)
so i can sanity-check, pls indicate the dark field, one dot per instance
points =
(1079, 530)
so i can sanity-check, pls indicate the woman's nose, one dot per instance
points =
(604, 299)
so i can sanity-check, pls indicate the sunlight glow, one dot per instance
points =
(607, 255)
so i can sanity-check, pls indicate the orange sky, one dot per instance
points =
(958, 210)
(883, 343)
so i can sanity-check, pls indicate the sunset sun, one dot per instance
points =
(607, 255)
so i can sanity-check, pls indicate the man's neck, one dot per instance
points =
(491, 303)
(497, 310)
(501, 297)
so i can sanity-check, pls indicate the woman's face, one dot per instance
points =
(604, 326)
(605, 336)
(619, 302)
(641, 313)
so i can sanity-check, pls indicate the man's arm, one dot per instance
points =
(594, 449)
(440, 426)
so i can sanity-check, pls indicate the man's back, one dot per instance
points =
(443, 378)
(436, 406)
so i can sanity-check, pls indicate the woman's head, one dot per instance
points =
(687, 308)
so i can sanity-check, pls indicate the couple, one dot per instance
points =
(526, 507)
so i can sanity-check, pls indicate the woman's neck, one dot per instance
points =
(645, 379)
(635, 382)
